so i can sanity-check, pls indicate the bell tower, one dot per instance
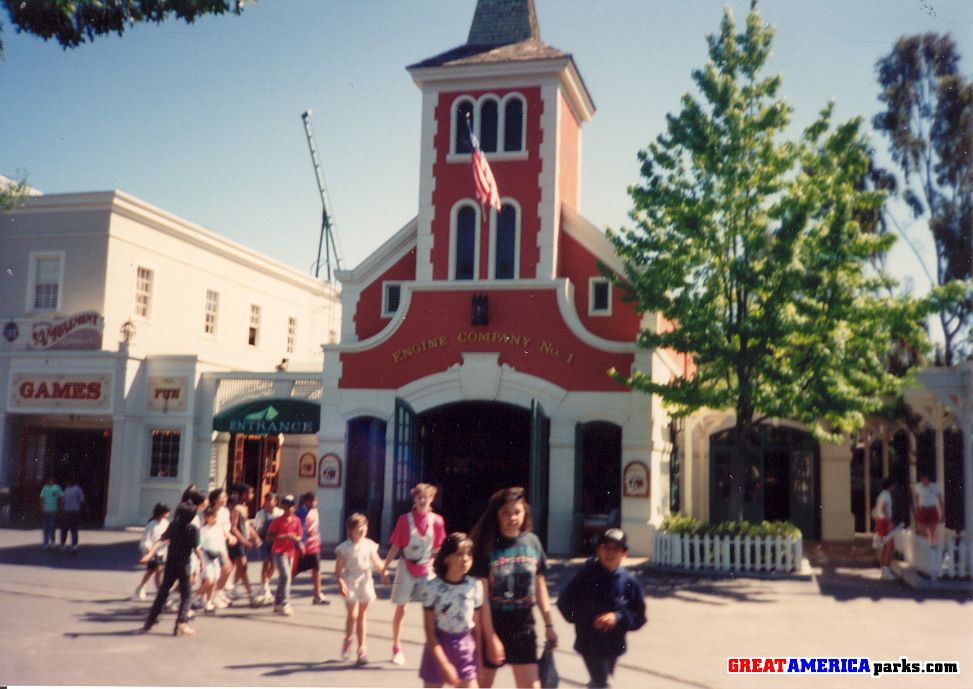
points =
(526, 102)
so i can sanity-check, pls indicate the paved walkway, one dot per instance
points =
(69, 620)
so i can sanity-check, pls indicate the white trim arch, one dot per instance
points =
(501, 134)
(453, 230)
(494, 226)
(453, 132)
(501, 151)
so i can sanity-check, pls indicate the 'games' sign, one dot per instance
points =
(60, 391)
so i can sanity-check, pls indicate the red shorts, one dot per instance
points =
(883, 527)
(927, 516)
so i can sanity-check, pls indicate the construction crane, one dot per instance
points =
(327, 237)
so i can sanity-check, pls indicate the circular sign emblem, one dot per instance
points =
(11, 332)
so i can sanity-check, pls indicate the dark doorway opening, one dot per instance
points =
(79, 454)
(470, 450)
(365, 480)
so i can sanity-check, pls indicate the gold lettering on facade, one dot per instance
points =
(522, 342)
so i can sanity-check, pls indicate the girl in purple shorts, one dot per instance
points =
(452, 606)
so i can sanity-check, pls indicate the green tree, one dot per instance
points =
(753, 247)
(73, 22)
(12, 192)
(928, 119)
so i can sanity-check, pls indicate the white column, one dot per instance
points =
(561, 488)
(837, 520)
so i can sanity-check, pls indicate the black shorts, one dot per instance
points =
(235, 551)
(517, 634)
(308, 561)
(154, 563)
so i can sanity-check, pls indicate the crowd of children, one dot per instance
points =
(478, 591)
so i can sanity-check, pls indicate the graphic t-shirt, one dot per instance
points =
(49, 494)
(453, 604)
(510, 571)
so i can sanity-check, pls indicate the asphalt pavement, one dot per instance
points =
(70, 620)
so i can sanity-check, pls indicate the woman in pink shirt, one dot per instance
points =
(417, 535)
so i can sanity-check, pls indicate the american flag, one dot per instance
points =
(486, 185)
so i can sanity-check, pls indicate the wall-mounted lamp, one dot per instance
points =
(481, 309)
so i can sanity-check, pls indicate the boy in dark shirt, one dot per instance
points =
(604, 602)
(183, 539)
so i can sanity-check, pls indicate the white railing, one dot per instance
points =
(949, 559)
(775, 554)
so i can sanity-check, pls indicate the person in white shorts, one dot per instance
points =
(355, 559)
(418, 534)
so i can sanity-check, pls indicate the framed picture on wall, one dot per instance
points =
(635, 479)
(307, 465)
(329, 471)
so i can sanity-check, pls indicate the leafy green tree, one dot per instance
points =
(12, 192)
(928, 119)
(756, 249)
(73, 22)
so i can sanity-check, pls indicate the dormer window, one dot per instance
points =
(498, 123)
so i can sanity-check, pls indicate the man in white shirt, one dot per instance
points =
(928, 502)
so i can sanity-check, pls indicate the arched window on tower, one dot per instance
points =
(461, 134)
(489, 123)
(505, 243)
(464, 244)
(513, 124)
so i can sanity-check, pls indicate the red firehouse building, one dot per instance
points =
(476, 344)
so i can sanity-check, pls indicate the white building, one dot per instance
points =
(126, 330)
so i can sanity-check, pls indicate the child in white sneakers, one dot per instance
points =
(151, 535)
(355, 559)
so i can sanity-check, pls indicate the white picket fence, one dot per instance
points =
(950, 559)
(728, 554)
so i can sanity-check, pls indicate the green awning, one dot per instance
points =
(270, 416)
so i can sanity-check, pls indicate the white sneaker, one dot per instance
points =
(221, 602)
(139, 593)
(210, 607)
(398, 657)
(285, 610)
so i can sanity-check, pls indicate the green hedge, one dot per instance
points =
(683, 525)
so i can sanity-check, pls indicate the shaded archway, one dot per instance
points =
(470, 450)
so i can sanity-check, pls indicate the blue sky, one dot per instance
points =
(204, 120)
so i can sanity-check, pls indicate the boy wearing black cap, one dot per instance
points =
(603, 601)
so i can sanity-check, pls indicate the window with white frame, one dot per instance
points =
(391, 296)
(599, 297)
(164, 454)
(461, 134)
(465, 242)
(143, 292)
(253, 334)
(46, 272)
(212, 314)
(499, 123)
(291, 334)
(506, 242)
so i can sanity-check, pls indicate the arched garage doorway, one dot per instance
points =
(470, 450)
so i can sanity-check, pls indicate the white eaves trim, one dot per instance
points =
(123, 204)
(574, 224)
(384, 257)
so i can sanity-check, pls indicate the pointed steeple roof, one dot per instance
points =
(501, 22)
(502, 31)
